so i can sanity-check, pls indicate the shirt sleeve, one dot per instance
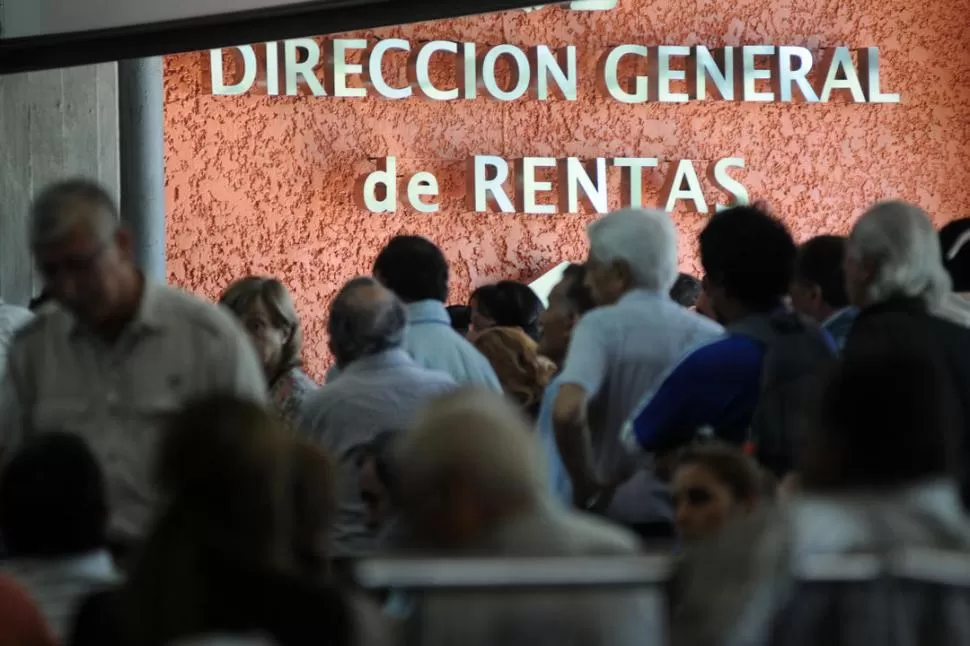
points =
(588, 356)
(696, 393)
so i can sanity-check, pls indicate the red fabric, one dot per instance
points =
(21, 623)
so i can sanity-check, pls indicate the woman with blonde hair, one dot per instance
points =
(265, 308)
(522, 371)
(220, 558)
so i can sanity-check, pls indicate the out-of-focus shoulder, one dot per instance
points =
(38, 328)
(179, 307)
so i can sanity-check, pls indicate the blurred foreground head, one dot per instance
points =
(712, 485)
(222, 469)
(82, 251)
(885, 421)
(469, 464)
(52, 499)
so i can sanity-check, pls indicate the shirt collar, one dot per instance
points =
(387, 359)
(428, 311)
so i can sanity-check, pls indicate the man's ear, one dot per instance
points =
(624, 273)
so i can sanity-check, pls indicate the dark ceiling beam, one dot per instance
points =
(319, 18)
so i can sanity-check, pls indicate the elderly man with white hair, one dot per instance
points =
(472, 483)
(619, 352)
(895, 275)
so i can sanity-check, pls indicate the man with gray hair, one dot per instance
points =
(472, 483)
(895, 274)
(118, 355)
(380, 387)
(619, 352)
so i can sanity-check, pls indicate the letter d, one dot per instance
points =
(245, 58)
(384, 177)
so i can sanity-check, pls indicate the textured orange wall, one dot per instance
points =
(265, 184)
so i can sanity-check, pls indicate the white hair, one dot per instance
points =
(644, 239)
(904, 249)
(481, 435)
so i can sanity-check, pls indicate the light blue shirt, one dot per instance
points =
(617, 354)
(560, 486)
(434, 344)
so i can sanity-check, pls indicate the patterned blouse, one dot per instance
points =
(288, 392)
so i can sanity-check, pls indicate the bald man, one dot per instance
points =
(118, 354)
(380, 388)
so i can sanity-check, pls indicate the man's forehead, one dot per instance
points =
(77, 218)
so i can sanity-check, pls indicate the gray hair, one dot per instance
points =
(52, 216)
(479, 434)
(644, 239)
(365, 319)
(904, 249)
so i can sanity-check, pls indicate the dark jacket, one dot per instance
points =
(905, 325)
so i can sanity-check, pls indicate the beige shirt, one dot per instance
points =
(61, 377)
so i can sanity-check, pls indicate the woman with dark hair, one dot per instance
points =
(506, 304)
(712, 484)
(265, 308)
(220, 558)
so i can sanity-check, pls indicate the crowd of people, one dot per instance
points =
(171, 475)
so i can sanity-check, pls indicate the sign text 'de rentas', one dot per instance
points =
(625, 73)
(575, 185)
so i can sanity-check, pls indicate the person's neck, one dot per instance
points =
(133, 288)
